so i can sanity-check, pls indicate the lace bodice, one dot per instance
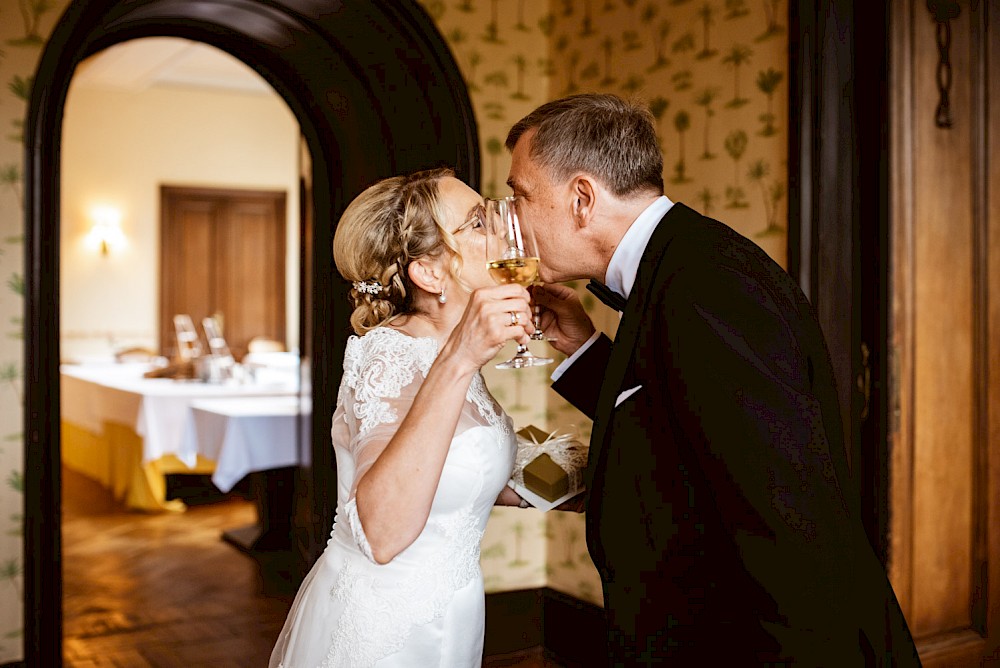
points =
(378, 607)
(383, 371)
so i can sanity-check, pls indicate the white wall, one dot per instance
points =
(119, 147)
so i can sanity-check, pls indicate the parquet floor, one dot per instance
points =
(164, 591)
(161, 590)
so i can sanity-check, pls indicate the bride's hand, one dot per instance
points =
(494, 316)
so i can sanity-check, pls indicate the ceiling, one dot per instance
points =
(167, 62)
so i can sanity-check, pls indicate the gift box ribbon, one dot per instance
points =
(568, 453)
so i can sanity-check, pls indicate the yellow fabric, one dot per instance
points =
(114, 459)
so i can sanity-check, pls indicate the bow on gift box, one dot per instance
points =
(565, 450)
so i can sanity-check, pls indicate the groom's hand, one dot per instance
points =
(575, 505)
(563, 317)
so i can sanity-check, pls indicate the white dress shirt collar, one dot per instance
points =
(625, 260)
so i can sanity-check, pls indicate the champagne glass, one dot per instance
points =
(536, 318)
(511, 257)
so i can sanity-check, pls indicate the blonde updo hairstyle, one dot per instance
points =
(386, 227)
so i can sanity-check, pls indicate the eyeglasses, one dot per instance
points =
(477, 215)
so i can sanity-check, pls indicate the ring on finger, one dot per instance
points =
(515, 318)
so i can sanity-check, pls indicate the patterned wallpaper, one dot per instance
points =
(24, 24)
(714, 75)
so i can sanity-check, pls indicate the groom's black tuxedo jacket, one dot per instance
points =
(722, 514)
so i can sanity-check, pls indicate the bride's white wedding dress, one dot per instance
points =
(426, 606)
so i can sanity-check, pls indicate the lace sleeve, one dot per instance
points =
(382, 373)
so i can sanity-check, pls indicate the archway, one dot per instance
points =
(376, 92)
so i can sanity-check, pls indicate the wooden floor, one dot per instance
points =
(164, 591)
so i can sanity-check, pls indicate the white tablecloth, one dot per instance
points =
(156, 407)
(247, 434)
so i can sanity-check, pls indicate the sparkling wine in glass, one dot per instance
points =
(520, 270)
(511, 257)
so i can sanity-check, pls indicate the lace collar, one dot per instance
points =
(398, 356)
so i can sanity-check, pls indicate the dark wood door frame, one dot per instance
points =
(838, 233)
(376, 92)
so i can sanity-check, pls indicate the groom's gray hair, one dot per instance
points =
(598, 134)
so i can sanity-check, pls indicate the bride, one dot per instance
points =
(423, 451)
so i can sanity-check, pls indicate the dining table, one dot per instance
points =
(128, 431)
(262, 438)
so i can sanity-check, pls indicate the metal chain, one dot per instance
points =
(943, 11)
(943, 114)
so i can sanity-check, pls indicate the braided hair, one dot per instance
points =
(389, 225)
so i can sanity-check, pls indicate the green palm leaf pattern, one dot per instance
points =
(736, 9)
(705, 99)
(683, 44)
(521, 67)
(631, 41)
(767, 82)
(10, 177)
(736, 146)
(547, 24)
(660, 33)
(706, 198)
(706, 13)
(520, 24)
(771, 15)
(15, 480)
(18, 135)
(11, 571)
(587, 22)
(494, 148)
(608, 49)
(738, 56)
(16, 284)
(682, 122)
(772, 194)
(657, 106)
(21, 87)
(31, 13)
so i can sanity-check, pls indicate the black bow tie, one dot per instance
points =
(607, 295)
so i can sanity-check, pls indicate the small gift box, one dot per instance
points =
(545, 478)
(548, 468)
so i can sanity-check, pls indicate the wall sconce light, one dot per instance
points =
(106, 229)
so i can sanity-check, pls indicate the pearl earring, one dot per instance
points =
(441, 298)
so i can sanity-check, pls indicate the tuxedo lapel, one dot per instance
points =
(628, 330)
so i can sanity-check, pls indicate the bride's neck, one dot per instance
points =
(431, 320)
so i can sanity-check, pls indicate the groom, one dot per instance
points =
(721, 513)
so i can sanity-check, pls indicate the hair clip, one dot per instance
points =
(370, 287)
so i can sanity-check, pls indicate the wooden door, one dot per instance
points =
(223, 255)
(944, 557)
